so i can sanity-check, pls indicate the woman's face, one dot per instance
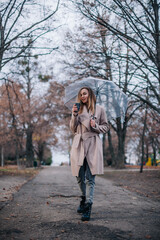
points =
(84, 94)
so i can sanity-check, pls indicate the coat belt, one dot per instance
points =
(78, 139)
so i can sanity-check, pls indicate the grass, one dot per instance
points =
(15, 171)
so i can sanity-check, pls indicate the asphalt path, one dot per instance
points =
(45, 208)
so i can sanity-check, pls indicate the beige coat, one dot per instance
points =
(86, 142)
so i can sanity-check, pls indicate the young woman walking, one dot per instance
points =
(86, 151)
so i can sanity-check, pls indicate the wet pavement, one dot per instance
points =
(45, 208)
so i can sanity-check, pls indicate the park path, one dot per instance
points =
(45, 209)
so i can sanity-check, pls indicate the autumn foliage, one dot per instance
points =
(36, 118)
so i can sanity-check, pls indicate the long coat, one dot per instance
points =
(86, 142)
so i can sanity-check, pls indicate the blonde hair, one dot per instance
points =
(91, 100)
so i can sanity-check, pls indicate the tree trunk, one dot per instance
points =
(156, 8)
(147, 152)
(29, 149)
(121, 140)
(154, 152)
(120, 156)
(1, 42)
(41, 152)
(17, 155)
(143, 135)
(111, 149)
(2, 156)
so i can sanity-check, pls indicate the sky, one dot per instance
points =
(59, 157)
(65, 20)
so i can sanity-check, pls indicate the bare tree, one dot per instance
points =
(142, 140)
(142, 38)
(19, 28)
(97, 53)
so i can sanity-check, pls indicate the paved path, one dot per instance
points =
(45, 209)
(8, 186)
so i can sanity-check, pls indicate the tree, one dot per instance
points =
(44, 117)
(143, 135)
(96, 52)
(142, 38)
(11, 125)
(59, 117)
(19, 29)
(27, 74)
(26, 78)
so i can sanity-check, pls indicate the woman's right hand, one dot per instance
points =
(74, 110)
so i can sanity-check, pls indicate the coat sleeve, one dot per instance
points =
(74, 123)
(103, 126)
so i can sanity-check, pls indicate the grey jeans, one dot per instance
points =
(86, 181)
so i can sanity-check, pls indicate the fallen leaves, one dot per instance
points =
(148, 237)
(14, 171)
(6, 218)
(146, 183)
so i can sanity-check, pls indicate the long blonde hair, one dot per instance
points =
(91, 100)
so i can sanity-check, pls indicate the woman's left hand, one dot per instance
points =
(93, 123)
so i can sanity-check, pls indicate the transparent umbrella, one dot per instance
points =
(107, 93)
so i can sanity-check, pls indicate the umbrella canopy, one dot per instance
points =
(107, 93)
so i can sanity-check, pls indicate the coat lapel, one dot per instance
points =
(85, 118)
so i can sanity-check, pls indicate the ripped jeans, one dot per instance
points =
(86, 181)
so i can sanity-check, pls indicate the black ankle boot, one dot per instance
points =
(87, 212)
(82, 205)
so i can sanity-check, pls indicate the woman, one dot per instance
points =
(86, 152)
